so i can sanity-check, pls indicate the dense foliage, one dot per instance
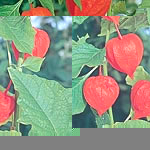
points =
(42, 84)
(75, 7)
(88, 54)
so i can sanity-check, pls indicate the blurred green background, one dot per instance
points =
(58, 63)
(122, 105)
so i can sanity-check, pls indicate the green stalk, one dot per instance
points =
(105, 73)
(109, 13)
(20, 60)
(89, 73)
(16, 113)
(9, 55)
(9, 64)
(130, 115)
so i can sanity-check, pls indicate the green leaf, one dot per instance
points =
(60, 1)
(8, 2)
(10, 10)
(119, 8)
(31, 1)
(78, 2)
(10, 133)
(148, 14)
(140, 74)
(133, 124)
(79, 19)
(45, 104)
(48, 4)
(145, 4)
(75, 132)
(18, 29)
(101, 121)
(132, 24)
(33, 63)
(131, 8)
(78, 101)
(85, 54)
(106, 126)
(3, 89)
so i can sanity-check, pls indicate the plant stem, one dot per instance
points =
(10, 82)
(119, 34)
(89, 73)
(111, 117)
(107, 32)
(105, 73)
(8, 87)
(129, 116)
(109, 13)
(9, 64)
(16, 113)
(100, 70)
(9, 55)
(20, 60)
